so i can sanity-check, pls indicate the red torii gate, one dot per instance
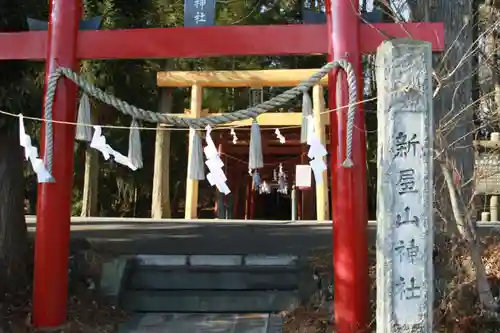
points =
(342, 37)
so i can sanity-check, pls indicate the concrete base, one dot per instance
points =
(210, 301)
(186, 293)
(202, 323)
(198, 279)
(113, 276)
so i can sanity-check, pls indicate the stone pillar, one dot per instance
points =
(494, 203)
(405, 187)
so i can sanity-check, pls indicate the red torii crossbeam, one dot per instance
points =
(342, 37)
(198, 42)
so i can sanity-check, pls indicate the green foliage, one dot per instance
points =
(18, 80)
(135, 81)
(21, 81)
(121, 191)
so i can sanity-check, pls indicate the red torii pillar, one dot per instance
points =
(64, 45)
(50, 289)
(348, 187)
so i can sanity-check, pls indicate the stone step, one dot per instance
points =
(202, 323)
(208, 269)
(209, 301)
(189, 279)
(217, 260)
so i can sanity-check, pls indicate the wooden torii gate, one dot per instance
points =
(342, 37)
(198, 81)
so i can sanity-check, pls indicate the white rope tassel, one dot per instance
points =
(134, 145)
(307, 110)
(197, 166)
(83, 129)
(255, 159)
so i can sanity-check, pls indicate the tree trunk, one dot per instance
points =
(90, 183)
(160, 207)
(454, 123)
(453, 108)
(13, 231)
(91, 180)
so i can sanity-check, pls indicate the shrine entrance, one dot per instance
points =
(274, 206)
(270, 196)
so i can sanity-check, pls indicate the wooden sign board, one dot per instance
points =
(199, 13)
(487, 173)
(303, 180)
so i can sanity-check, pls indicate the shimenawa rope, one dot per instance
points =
(154, 117)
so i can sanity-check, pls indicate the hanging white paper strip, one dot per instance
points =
(31, 154)
(214, 163)
(99, 143)
(316, 152)
(233, 133)
(279, 136)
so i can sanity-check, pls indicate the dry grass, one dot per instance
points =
(87, 312)
(458, 312)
